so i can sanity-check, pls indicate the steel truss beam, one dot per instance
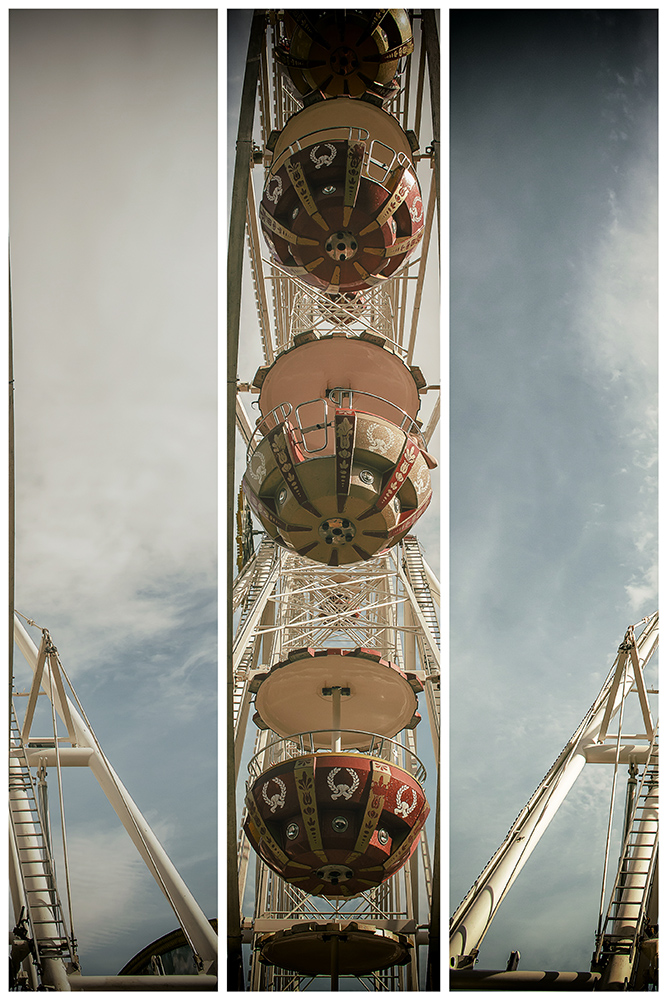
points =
(350, 606)
(305, 605)
(85, 751)
(475, 914)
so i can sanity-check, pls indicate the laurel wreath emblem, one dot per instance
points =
(402, 808)
(276, 801)
(324, 160)
(338, 790)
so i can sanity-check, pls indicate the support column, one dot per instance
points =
(243, 164)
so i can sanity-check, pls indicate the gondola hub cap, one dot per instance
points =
(344, 61)
(342, 245)
(334, 873)
(337, 530)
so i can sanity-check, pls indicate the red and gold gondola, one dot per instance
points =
(345, 52)
(343, 473)
(342, 207)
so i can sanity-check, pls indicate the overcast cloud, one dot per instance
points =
(113, 217)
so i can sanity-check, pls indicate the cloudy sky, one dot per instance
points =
(113, 221)
(553, 353)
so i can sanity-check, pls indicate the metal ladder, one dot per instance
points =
(35, 860)
(261, 571)
(411, 744)
(416, 574)
(638, 858)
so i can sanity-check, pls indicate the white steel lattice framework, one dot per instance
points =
(43, 942)
(389, 608)
(283, 604)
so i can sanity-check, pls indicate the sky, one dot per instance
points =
(113, 231)
(553, 433)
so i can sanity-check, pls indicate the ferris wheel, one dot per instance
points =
(334, 629)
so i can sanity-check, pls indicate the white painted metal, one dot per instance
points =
(473, 917)
(620, 940)
(345, 607)
(194, 923)
(242, 421)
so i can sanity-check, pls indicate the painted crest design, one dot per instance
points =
(379, 444)
(257, 468)
(323, 160)
(275, 192)
(341, 790)
(416, 210)
(402, 808)
(276, 801)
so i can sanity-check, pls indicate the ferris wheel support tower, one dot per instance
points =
(336, 634)
(625, 928)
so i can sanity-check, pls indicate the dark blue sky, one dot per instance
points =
(553, 444)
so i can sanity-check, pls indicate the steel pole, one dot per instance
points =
(190, 916)
(242, 166)
(473, 917)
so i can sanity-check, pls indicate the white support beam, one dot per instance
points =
(433, 421)
(34, 689)
(641, 693)
(192, 919)
(258, 275)
(422, 267)
(252, 622)
(243, 421)
(475, 914)
(423, 624)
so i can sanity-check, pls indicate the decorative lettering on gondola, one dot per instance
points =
(392, 54)
(401, 471)
(406, 245)
(280, 446)
(395, 201)
(300, 185)
(285, 234)
(346, 425)
(263, 511)
(304, 776)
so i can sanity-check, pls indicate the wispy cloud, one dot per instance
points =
(617, 323)
(113, 893)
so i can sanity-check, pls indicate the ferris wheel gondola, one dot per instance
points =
(337, 472)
